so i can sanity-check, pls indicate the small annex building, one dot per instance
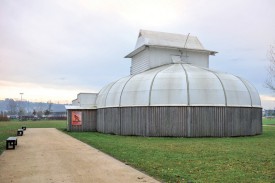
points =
(81, 115)
(172, 92)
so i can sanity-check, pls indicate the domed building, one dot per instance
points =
(172, 92)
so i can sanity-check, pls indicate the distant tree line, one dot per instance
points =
(17, 108)
(3, 118)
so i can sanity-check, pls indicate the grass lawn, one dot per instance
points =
(269, 121)
(9, 128)
(238, 159)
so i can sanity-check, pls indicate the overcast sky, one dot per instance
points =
(55, 49)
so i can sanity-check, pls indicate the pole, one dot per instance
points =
(21, 96)
(20, 110)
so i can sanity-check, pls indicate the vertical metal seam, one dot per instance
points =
(189, 115)
(108, 92)
(225, 97)
(187, 83)
(123, 89)
(119, 120)
(97, 95)
(247, 90)
(152, 82)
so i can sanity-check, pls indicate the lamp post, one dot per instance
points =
(21, 96)
(21, 110)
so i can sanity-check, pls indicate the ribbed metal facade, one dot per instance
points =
(180, 121)
(89, 118)
(140, 62)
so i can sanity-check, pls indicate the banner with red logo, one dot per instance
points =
(76, 118)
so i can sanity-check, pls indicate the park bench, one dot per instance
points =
(11, 142)
(20, 132)
(24, 128)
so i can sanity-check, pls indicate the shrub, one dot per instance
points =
(4, 118)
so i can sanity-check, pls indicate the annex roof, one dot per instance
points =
(168, 40)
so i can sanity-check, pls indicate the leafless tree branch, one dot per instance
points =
(270, 81)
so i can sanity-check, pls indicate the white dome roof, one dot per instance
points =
(179, 85)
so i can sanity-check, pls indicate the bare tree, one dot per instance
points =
(48, 111)
(34, 112)
(270, 81)
(39, 109)
(22, 111)
(11, 106)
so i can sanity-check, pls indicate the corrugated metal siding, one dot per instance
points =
(256, 115)
(112, 121)
(207, 121)
(155, 57)
(126, 121)
(100, 121)
(140, 62)
(181, 121)
(140, 116)
(89, 118)
(134, 121)
(168, 121)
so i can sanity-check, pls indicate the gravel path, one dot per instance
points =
(48, 155)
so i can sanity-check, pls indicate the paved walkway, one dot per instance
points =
(269, 125)
(48, 155)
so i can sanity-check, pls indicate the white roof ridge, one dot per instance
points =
(168, 40)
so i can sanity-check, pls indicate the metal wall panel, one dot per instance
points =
(200, 59)
(181, 121)
(140, 120)
(126, 121)
(89, 121)
(112, 121)
(140, 62)
(100, 121)
(168, 121)
(154, 57)
(256, 115)
(160, 56)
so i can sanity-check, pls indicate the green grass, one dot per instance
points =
(269, 121)
(9, 128)
(238, 159)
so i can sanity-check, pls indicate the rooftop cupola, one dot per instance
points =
(154, 49)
